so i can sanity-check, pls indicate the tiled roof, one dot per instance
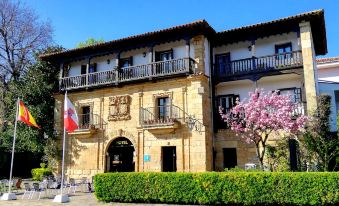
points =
(202, 27)
(327, 60)
(316, 18)
(196, 27)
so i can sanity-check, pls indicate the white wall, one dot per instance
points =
(263, 46)
(179, 51)
(328, 78)
(329, 89)
(269, 83)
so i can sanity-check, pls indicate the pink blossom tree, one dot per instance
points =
(262, 115)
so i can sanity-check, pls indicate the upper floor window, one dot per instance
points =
(226, 102)
(164, 55)
(163, 108)
(126, 62)
(92, 68)
(294, 92)
(222, 63)
(283, 48)
(85, 117)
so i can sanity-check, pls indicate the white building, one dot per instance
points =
(328, 78)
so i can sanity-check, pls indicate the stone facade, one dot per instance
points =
(118, 111)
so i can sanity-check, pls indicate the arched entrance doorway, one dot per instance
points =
(120, 156)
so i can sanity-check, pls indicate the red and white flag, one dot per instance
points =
(71, 121)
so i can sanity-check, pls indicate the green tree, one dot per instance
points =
(320, 143)
(35, 87)
(89, 42)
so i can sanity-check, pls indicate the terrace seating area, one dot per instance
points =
(47, 188)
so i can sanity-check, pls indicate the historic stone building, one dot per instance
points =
(149, 102)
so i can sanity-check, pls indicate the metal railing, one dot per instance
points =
(132, 73)
(257, 64)
(159, 116)
(89, 121)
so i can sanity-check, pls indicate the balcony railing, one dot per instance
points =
(132, 73)
(89, 121)
(260, 64)
(160, 116)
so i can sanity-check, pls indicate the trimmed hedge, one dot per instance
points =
(226, 188)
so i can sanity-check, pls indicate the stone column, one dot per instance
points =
(199, 53)
(310, 67)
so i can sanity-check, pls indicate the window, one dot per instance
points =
(92, 68)
(163, 108)
(294, 92)
(227, 102)
(285, 51)
(126, 62)
(222, 63)
(85, 117)
(164, 55)
(283, 48)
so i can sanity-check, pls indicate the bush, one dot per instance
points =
(39, 173)
(225, 188)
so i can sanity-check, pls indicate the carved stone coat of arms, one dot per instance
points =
(119, 108)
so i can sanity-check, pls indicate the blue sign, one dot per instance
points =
(147, 158)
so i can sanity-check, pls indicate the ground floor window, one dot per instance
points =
(230, 157)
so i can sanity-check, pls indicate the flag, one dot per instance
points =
(71, 121)
(25, 116)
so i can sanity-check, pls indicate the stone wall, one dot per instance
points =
(86, 153)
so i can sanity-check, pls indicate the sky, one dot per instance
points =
(75, 21)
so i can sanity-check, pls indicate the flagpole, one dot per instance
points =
(62, 198)
(13, 147)
(10, 196)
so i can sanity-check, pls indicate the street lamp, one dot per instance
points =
(191, 122)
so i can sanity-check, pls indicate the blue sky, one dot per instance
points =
(77, 20)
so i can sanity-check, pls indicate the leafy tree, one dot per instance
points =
(21, 35)
(89, 42)
(322, 145)
(264, 114)
(35, 87)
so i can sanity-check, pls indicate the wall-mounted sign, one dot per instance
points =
(147, 158)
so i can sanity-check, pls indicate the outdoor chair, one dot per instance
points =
(72, 185)
(52, 186)
(84, 184)
(28, 190)
(37, 188)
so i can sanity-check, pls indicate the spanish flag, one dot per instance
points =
(25, 116)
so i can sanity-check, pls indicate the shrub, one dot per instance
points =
(225, 188)
(39, 173)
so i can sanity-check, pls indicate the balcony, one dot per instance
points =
(156, 70)
(88, 124)
(247, 68)
(161, 118)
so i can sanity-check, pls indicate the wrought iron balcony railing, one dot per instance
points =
(89, 121)
(126, 74)
(160, 116)
(168, 116)
(260, 64)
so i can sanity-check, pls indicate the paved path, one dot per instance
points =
(79, 199)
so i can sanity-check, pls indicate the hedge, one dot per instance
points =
(226, 188)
